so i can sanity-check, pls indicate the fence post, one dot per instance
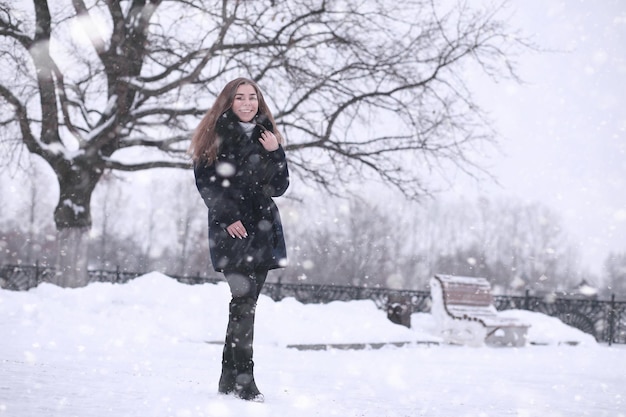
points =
(37, 273)
(611, 318)
(527, 300)
(279, 289)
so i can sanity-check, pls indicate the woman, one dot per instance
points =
(240, 165)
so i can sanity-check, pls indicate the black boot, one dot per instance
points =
(228, 378)
(229, 373)
(246, 388)
(227, 381)
(242, 312)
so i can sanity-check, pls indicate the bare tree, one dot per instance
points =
(516, 245)
(354, 247)
(36, 190)
(362, 89)
(186, 214)
(108, 200)
(151, 226)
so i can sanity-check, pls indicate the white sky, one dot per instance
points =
(563, 131)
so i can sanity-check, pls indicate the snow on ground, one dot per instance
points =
(139, 349)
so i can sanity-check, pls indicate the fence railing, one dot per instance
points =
(604, 319)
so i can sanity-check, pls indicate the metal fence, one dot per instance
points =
(604, 319)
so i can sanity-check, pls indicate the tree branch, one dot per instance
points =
(164, 144)
(12, 30)
(22, 119)
(116, 165)
(40, 54)
(90, 28)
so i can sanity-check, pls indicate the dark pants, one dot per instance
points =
(237, 364)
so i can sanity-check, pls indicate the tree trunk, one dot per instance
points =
(72, 216)
(72, 255)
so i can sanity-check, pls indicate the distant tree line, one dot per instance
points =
(516, 245)
(158, 222)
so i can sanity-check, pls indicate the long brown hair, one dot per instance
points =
(205, 142)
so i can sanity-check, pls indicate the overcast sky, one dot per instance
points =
(563, 132)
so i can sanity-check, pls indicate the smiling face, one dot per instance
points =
(246, 103)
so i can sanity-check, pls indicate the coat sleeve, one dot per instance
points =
(276, 173)
(216, 190)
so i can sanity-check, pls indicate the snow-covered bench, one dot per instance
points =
(464, 313)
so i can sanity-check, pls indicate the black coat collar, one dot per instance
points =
(228, 124)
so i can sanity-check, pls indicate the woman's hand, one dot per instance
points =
(237, 230)
(268, 140)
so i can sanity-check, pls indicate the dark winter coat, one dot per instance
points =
(240, 185)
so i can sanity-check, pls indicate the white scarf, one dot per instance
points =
(247, 128)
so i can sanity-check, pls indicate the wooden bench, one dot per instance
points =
(464, 313)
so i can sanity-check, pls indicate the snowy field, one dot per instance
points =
(140, 349)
